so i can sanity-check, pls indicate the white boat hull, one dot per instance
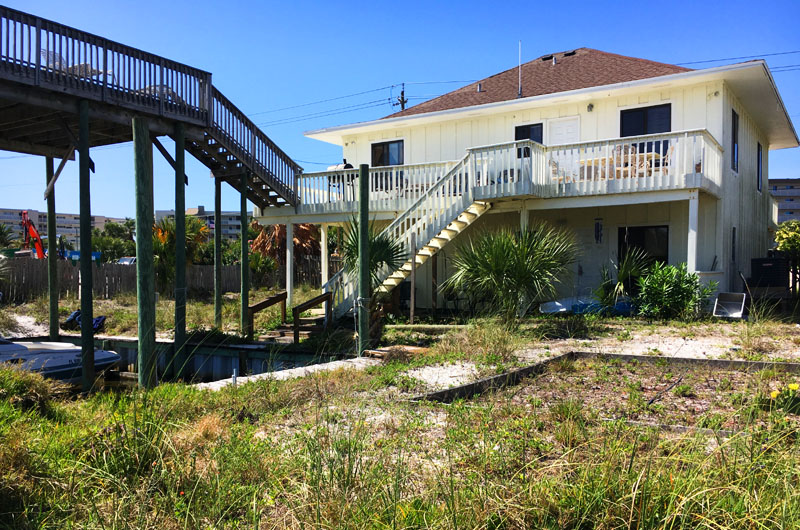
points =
(56, 360)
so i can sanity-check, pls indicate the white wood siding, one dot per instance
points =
(692, 108)
(744, 207)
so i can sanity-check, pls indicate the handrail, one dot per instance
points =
(254, 148)
(262, 305)
(326, 298)
(45, 53)
(635, 139)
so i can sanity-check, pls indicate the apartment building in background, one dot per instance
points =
(787, 194)
(67, 224)
(231, 224)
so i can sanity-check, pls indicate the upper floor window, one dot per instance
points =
(387, 154)
(734, 140)
(760, 167)
(534, 132)
(645, 120)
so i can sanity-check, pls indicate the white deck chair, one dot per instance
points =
(56, 62)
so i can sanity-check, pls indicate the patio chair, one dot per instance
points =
(625, 162)
(162, 91)
(56, 62)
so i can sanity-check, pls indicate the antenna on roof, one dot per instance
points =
(519, 71)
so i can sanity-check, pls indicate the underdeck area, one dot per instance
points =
(64, 91)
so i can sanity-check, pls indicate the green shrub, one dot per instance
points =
(27, 390)
(668, 291)
(509, 271)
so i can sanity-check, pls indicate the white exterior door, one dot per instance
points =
(564, 131)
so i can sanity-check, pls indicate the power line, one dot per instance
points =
(330, 112)
(739, 58)
(322, 101)
(310, 103)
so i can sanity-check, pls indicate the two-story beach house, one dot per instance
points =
(623, 151)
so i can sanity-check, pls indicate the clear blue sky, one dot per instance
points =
(270, 55)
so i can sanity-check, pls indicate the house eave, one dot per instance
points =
(741, 77)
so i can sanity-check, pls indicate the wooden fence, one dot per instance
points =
(27, 278)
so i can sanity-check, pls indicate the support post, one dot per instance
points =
(434, 283)
(52, 253)
(290, 264)
(244, 262)
(524, 217)
(145, 270)
(413, 302)
(87, 333)
(363, 259)
(217, 253)
(179, 359)
(691, 254)
(324, 254)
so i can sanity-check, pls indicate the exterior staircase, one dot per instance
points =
(438, 242)
(436, 218)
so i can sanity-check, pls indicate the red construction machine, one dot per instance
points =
(31, 235)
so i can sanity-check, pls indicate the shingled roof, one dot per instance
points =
(572, 70)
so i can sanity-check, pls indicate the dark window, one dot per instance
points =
(760, 168)
(645, 120)
(654, 240)
(387, 154)
(533, 132)
(734, 140)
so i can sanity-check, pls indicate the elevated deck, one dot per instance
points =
(523, 169)
(46, 68)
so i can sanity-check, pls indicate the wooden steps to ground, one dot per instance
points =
(436, 243)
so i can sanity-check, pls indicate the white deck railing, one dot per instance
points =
(391, 188)
(655, 162)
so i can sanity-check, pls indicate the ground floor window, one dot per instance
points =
(654, 240)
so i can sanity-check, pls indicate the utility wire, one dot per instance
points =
(330, 112)
(322, 101)
(739, 58)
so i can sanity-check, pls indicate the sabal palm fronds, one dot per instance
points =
(384, 252)
(510, 271)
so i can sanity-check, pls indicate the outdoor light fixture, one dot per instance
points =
(598, 230)
(590, 107)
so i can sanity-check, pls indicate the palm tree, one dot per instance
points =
(634, 263)
(509, 271)
(7, 236)
(384, 252)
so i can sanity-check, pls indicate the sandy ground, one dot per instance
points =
(29, 328)
(442, 376)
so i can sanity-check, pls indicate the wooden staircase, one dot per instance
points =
(435, 244)
(436, 218)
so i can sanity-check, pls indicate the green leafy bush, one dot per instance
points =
(669, 291)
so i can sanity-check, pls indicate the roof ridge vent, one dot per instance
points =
(570, 54)
(547, 58)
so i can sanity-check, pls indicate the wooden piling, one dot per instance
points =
(145, 270)
(52, 252)
(87, 333)
(179, 360)
(217, 253)
(244, 262)
(363, 259)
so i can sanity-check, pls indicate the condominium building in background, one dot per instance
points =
(231, 224)
(787, 194)
(67, 224)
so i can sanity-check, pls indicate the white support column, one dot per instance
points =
(691, 251)
(323, 250)
(289, 264)
(524, 217)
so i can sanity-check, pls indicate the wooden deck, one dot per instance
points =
(46, 68)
